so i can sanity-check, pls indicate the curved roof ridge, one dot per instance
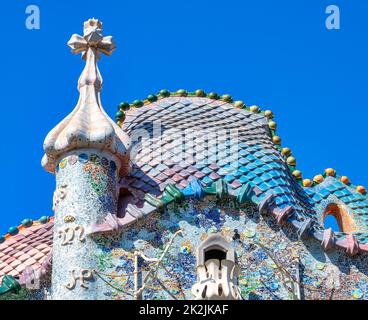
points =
(227, 98)
(26, 223)
(330, 172)
(25, 246)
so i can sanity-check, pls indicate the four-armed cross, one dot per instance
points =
(92, 38)
(90, 45)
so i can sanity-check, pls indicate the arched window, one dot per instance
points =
(215, 247)
(217, 254)
(331, 222)
(217, 270)
(338, 218)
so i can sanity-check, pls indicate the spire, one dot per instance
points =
(88, 125)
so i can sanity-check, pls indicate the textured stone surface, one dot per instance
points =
(89, 179)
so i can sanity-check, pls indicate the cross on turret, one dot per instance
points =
(88, 153)
(92, 38)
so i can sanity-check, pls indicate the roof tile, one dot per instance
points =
(24, 257)
(15, 263)
(39, 256)
(7, 269)
(30, 262)
(33, 252)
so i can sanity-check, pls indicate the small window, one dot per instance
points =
(337, 218)
(214, 254)
(215, 247)
(331, 222)
(125, 198)
(217, 270)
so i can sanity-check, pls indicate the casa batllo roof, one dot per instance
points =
(261, 171)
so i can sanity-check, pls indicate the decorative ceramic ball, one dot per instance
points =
(213, 95)
(269, 114)
(291, 161)
(152, 98)
(120, 115)
(254, 109)
(307, 183)
(137, 103)
(27, 223)
(286, 152)
(13, 231)
(272, 125)
(227, 98)
(182, 93)
(239, 104)
(44, 219)
(345, 180)
(297, 174)
(330, 172)
(200, 93)
(124, 106)
(276, 140)
(361, 190)
(318, 178)
(164, 93)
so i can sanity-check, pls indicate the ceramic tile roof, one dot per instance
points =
(257, 160)
(28, 247)
(333, 188)
(205, 117)
(260, 164)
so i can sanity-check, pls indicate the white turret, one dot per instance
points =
(88, 153)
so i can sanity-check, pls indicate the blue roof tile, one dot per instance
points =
(266, 177)
(229, 178)
(317, 197)
(257, 181)
(324, 193)
(243, 169)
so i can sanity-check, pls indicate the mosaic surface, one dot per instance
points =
(262, 249)
(85, 193)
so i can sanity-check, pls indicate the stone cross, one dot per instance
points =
(92, 38)
(91, 44)
(88, 125)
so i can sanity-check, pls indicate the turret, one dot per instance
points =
(88, 153)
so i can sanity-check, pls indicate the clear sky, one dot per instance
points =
(276, 54)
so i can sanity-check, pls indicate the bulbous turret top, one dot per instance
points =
(88, 125)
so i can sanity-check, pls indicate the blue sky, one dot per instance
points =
(276, 54)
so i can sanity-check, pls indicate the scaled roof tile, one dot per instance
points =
(21, 248)
(208, 156)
